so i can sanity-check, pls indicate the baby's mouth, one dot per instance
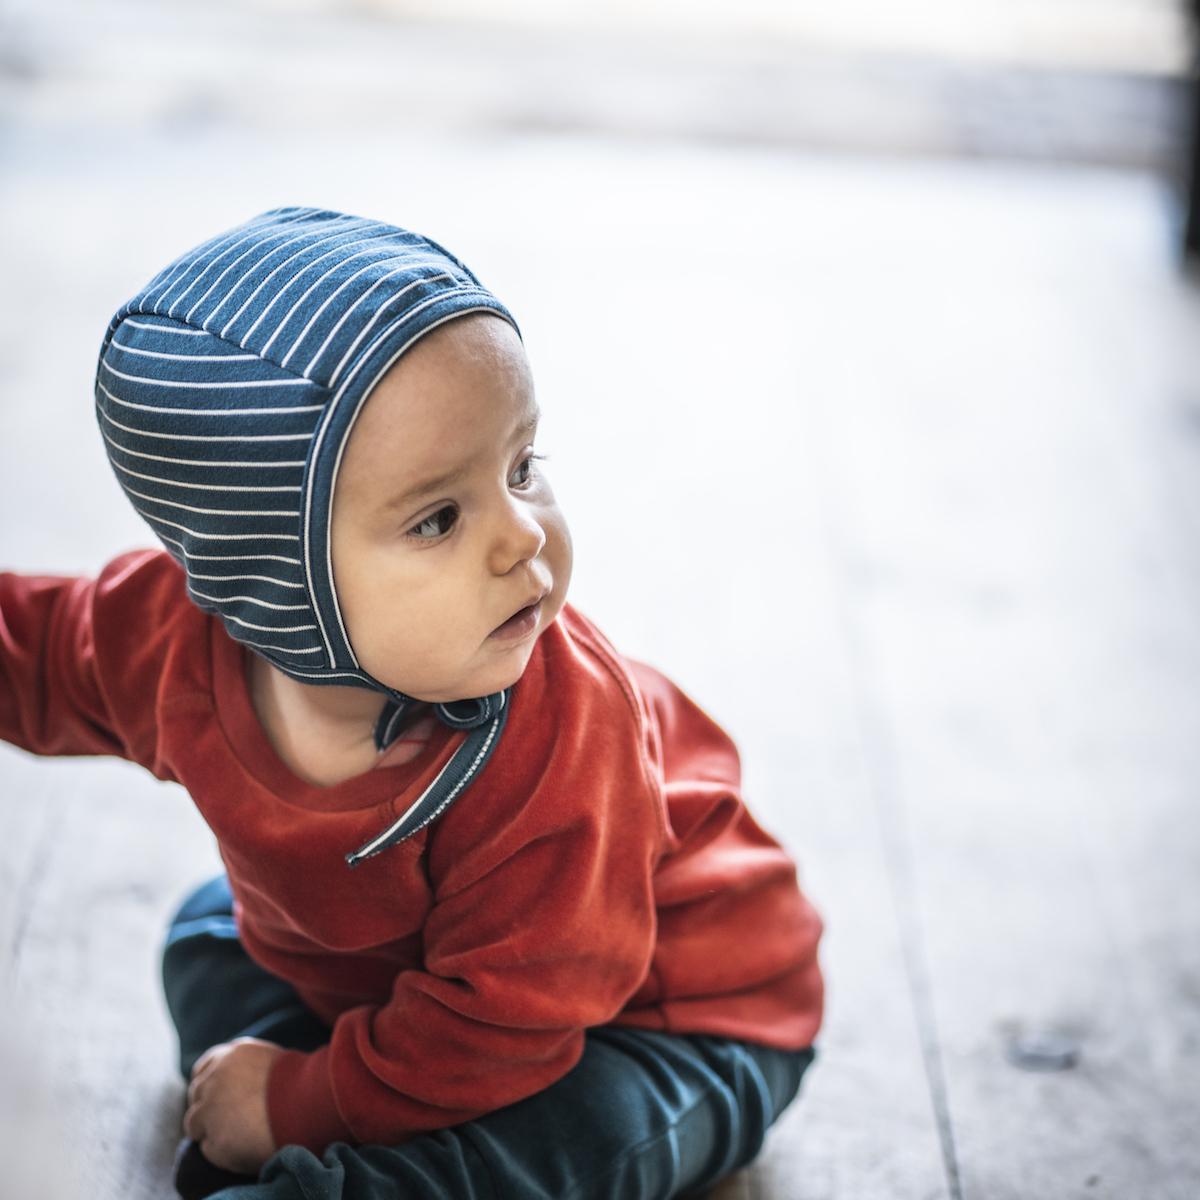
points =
(522, 623)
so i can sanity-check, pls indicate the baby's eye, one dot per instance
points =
(436, 523)
(524, 472)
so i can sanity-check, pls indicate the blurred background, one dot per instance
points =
(869, 349)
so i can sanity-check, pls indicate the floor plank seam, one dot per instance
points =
(878, 750)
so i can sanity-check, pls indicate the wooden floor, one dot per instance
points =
(894, 465)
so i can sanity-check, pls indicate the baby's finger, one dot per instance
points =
(204, 1060)
(200, 1070)
(193, 1122)
(194, 1090)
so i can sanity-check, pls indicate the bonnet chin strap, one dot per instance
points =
(483, 719)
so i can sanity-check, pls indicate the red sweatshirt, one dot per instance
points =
(602, 868)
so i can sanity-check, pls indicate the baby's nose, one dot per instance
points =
(519, 539)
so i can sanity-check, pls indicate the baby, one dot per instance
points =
(494, 920)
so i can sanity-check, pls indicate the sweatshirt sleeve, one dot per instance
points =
(73, 650)
(543, 925)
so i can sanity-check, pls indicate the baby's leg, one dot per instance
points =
(216, 993)
(642, 1115)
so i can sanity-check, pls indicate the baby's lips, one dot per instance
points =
(530, 603)
(526, 614)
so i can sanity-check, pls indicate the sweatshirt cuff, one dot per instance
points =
(301, 1107)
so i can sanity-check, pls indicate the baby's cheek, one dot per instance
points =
(559, 551)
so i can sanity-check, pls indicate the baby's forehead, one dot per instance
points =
(469, 371)
(477, 341)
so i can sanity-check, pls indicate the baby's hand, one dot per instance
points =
(227, 1104)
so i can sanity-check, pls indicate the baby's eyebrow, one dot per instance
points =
(429, 485)
(446, 478)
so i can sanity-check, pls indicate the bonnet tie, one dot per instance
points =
(483, 719)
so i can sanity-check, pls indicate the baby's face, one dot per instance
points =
(450, 555)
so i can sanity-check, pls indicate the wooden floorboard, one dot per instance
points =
(1032, 664)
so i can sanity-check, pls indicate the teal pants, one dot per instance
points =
(642, 1115)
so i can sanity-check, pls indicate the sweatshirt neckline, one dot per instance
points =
(244, 732)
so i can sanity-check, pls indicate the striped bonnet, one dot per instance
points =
(226, 391)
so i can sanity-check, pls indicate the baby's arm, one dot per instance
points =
(51, 701)
(80, 657)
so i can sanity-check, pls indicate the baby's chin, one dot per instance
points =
(506, 674)
(505, 670)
